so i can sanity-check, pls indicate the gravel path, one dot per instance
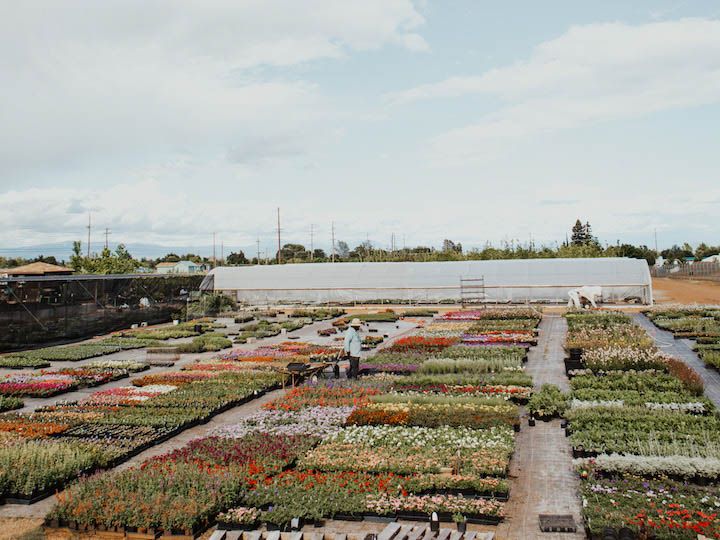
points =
(682, 350)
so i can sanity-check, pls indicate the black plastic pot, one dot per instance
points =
(462, 526)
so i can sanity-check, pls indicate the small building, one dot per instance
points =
(181, 267)
(36, 269)
(712, 259)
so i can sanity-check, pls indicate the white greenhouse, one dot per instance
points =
(506, 281)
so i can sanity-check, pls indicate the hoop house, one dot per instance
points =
(506, 281)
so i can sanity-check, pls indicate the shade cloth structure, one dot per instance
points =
(513, 281)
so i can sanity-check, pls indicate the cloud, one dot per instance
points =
(89, 82)
(592, 73)
(559, 202)
(254, 150)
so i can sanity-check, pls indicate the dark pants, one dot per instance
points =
(354, 370)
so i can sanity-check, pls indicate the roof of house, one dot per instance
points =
(37, 269)
(166, 264)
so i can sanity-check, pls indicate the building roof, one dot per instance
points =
(37, 269)
(166, 264)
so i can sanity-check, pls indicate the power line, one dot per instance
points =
(279, 257)
(89, 227)
(312, 246)
(332, 258)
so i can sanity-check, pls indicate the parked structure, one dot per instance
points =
(181, 267)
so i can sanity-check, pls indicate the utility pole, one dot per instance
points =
(213, 260)
(258, 250)
(222, 252)
(655, 231)
(332, 258)
(279, 257)
(312, 245)
(107, 233)
(89, 226)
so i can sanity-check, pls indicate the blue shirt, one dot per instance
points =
(353, 343)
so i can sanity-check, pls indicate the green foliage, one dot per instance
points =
(205, 343)
(118, 262)
(548, 402)
(10, 403)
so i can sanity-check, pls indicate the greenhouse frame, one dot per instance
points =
(496, 281)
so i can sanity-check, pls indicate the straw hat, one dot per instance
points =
(355, 323)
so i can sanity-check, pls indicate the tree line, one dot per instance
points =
(581, 242)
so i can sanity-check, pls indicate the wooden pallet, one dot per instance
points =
(557, 523)
(393, 531)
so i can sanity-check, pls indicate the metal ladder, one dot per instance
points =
(472, 291)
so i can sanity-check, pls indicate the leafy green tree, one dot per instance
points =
(703, 251)
(293, 253)
(634, 252)
(118, 262)
(237, 258)
(343, 250)
(677, 253)
(170, 257)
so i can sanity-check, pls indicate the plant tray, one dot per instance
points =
(557, 523)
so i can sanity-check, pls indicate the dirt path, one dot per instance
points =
(685, 291)
(541, 468)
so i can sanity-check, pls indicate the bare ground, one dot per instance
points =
(685, 291)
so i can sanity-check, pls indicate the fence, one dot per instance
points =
(698, 270)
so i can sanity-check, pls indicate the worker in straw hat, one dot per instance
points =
(352, 347)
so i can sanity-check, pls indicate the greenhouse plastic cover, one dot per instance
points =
(517, 281)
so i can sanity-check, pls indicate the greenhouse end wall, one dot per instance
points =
(507, 281)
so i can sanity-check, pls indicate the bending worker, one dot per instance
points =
(352, 347)
(584, 294)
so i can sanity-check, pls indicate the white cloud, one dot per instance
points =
(592, 73)
(89, 81)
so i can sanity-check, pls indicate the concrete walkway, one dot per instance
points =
(543, 480)
(682, 350)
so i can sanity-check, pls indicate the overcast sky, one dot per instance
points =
(472, 120)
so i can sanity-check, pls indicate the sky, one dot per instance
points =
(171, 120)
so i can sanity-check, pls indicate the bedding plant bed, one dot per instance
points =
(645, 438)
(377, 448)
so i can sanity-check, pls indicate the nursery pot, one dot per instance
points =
(462, 526)
(609, 534)
(434, 522)
(531, 421)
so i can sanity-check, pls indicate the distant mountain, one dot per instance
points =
(63, 250)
